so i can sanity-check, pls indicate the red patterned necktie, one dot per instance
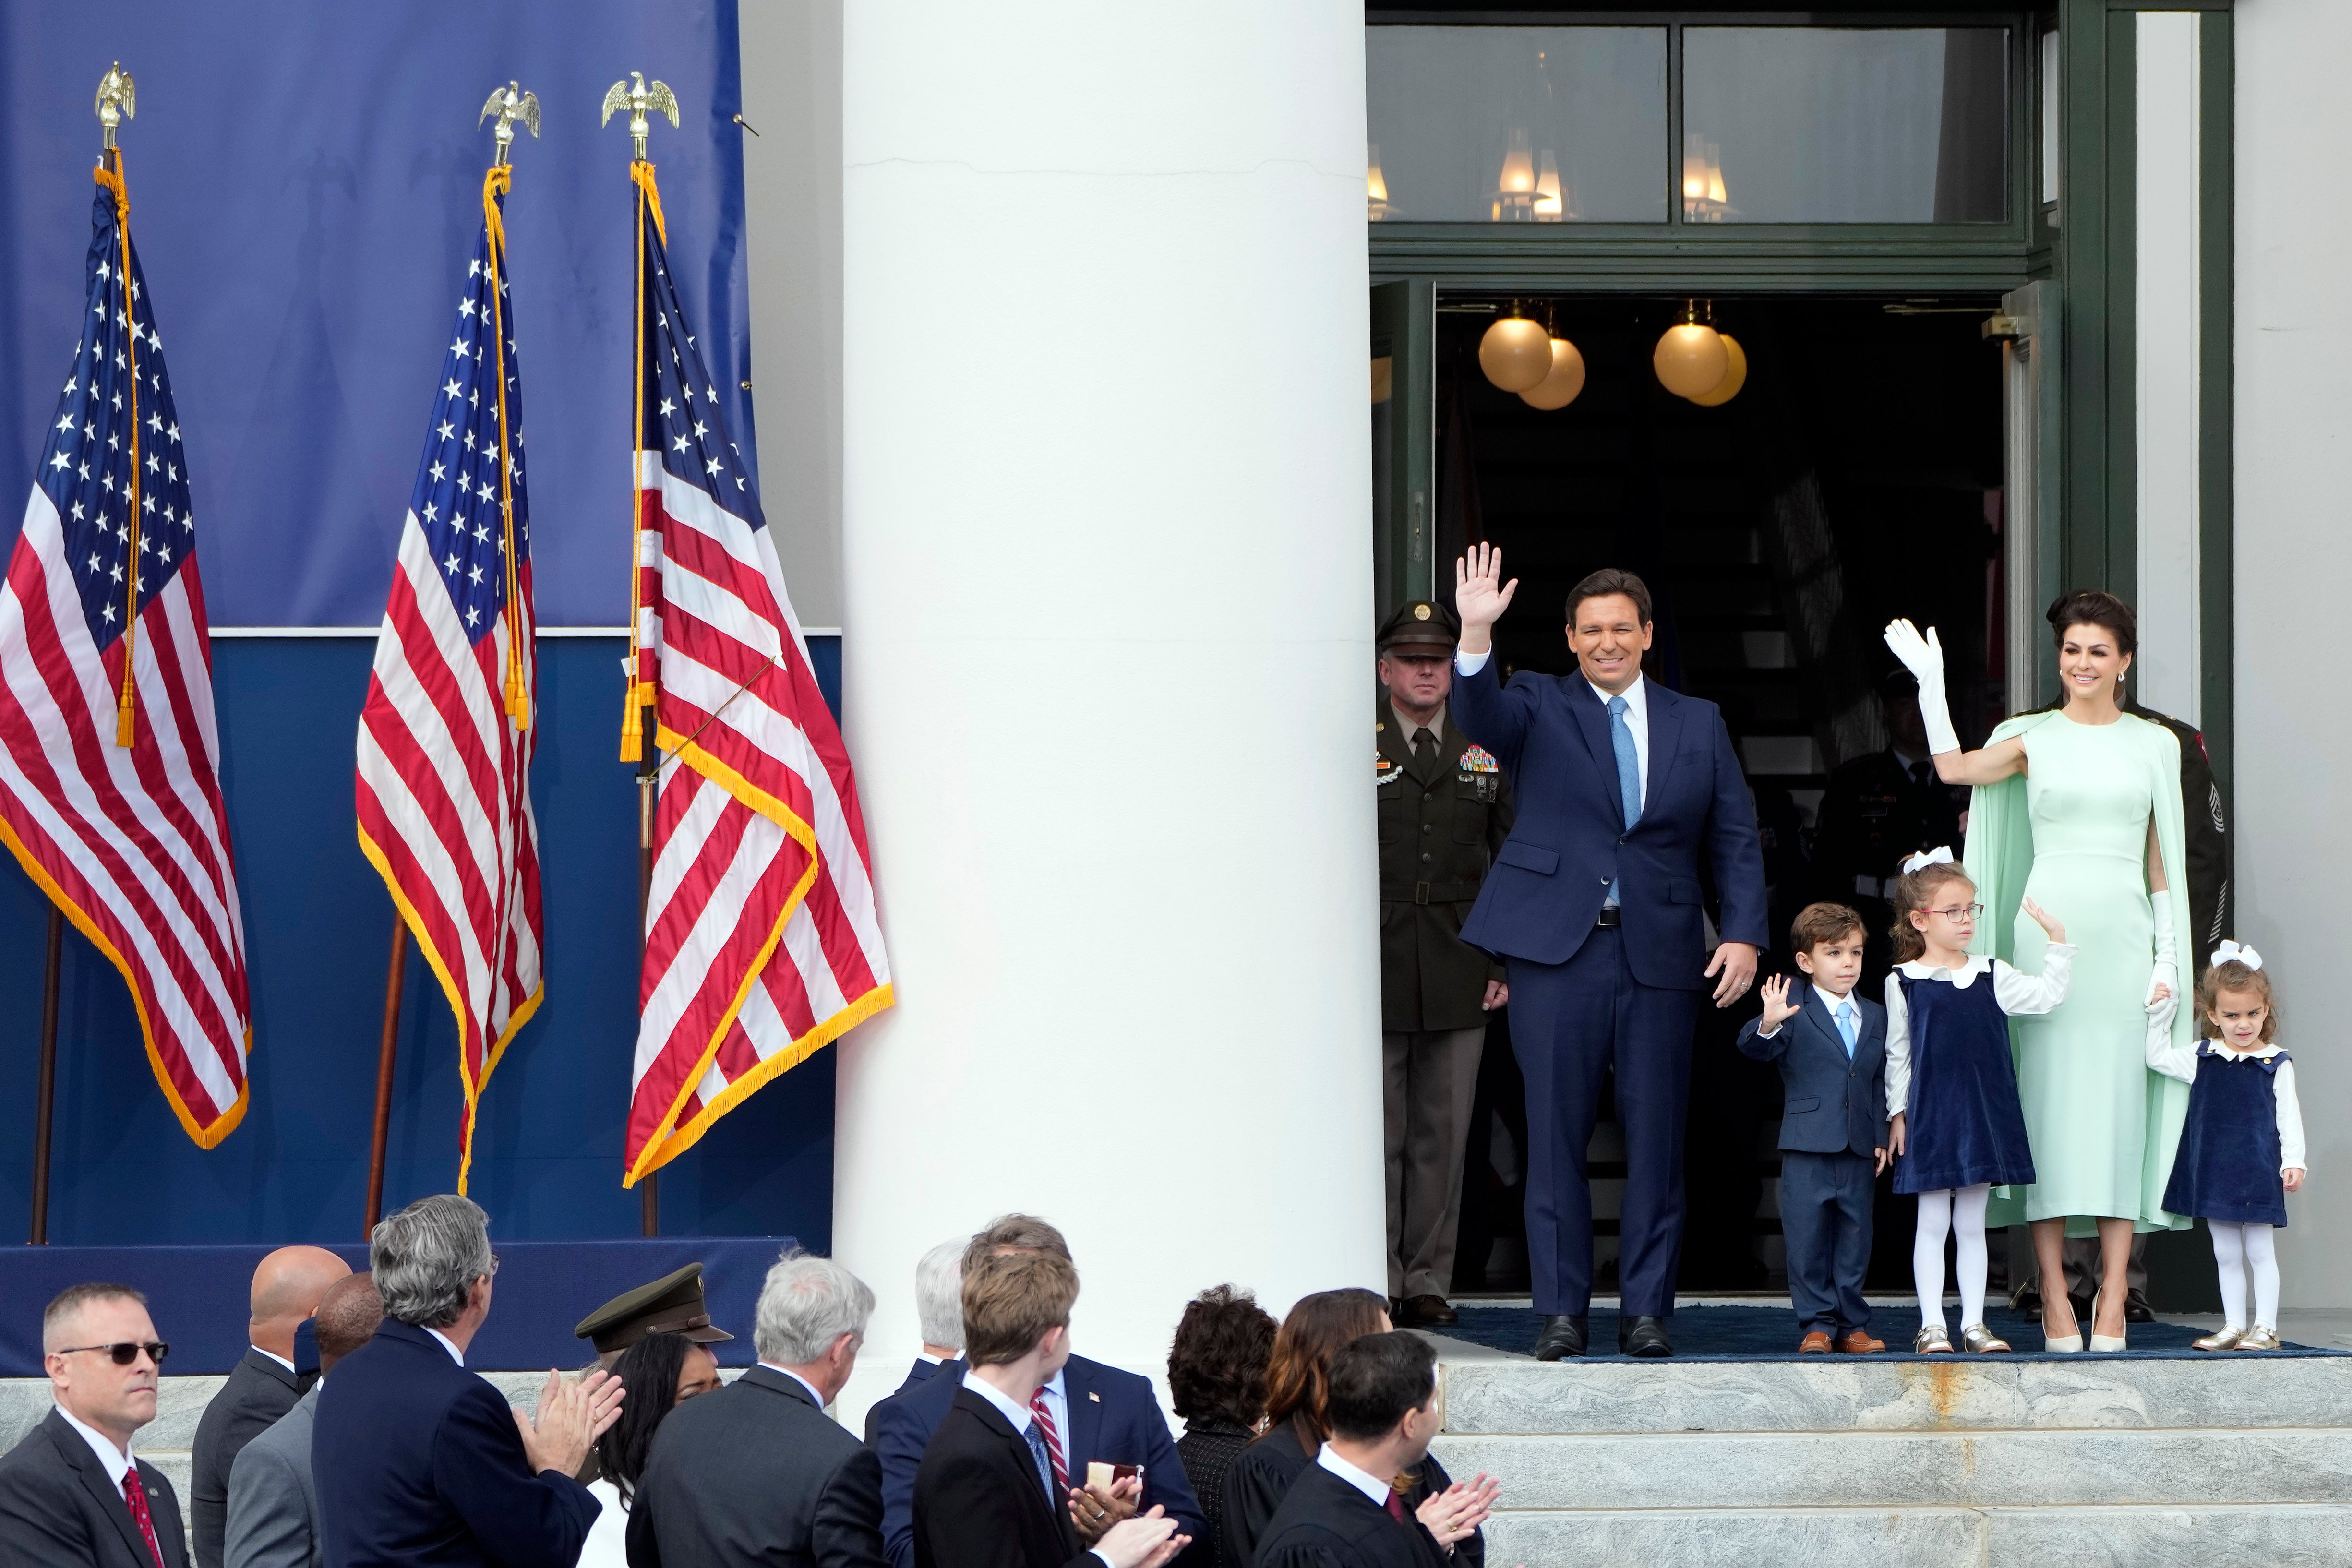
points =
(1052, 1438)
(135, 1493)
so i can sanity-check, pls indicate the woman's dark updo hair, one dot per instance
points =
(1216, 1368)
(648, 1372)
(2090, 607)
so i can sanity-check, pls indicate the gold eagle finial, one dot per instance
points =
(117, 100)
(510, 103)
(653, 97)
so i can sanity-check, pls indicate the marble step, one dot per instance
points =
(1910, 1471)
(1490, 1395)
(2278, 1535)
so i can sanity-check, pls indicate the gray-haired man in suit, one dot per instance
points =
(273, 1507)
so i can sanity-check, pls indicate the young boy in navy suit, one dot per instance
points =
(1832, 1048)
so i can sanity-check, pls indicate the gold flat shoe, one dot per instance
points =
(1931, 1339)
(2223, 1338)
(1979, 1339)
(2261, 1336)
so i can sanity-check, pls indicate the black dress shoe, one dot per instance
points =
(1561, 1335)
(1644, 1337)
(2136, 1309)
(1425, 1313)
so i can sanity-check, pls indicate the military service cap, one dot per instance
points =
(1421, 625)
(671, 1304)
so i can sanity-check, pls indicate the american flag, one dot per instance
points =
(446, 737)
(130, 839)
(762, 942)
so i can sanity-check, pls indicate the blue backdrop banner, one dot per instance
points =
(305, 186)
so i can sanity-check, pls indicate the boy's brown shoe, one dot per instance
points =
(1816, 1343)
(1858, 1342)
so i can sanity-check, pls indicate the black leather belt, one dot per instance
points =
(1431, 893)
(1610, 918)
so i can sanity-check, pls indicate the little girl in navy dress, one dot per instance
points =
(1955, 1124)
(2241, 1146)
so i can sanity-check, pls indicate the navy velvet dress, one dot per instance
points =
(2227, 1168)
(1963, 1123)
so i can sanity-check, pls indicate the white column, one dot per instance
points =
(2164, 674)
(2293, 561)
(1107, 587)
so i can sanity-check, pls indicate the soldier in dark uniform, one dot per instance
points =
(1877, 810)
(1444, 809)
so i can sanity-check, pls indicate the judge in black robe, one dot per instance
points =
(1264, 1475)
(1327, 1523)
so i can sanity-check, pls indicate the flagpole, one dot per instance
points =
(46, 1093)
(640, 729)
(396, 978)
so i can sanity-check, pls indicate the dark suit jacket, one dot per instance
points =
(59, 1510)
(1568, 839)
(922, 1372)
(418, 1465)
(1262, 1478)
(756, 1473)
(1830, 1105)
(257, 1393)
(978, 1499)
(1114, 1418)
(1324, 1523)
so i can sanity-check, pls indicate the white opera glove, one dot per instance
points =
(1924, 657)
(2167, 969)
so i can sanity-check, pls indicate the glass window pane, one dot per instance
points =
(1518, 124)
(1841, 125)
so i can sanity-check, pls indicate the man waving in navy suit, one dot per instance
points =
(1595, 903)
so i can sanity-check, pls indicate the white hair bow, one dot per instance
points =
(1940, 855)
(2229, 952)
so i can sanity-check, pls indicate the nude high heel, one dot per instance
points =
(2100, 1342)
(2060, 1344)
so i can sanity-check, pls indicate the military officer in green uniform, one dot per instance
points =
(1444, 808)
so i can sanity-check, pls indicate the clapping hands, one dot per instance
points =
(1455, 1514)
(570, 1417)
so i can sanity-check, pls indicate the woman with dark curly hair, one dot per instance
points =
(1317, 1328)
(1217, 1372)
(660, 1373)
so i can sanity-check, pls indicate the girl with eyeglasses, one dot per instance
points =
(1955, 1124)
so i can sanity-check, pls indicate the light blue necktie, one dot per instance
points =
(1846, 1026)
(1628, 771)
(1044, 1465)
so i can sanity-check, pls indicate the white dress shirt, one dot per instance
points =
(816, 1398)
(448, 1344)
(116, 1460)
(1375, 1490)
(278, 1358)
(2180, 1062)
(2015, 994)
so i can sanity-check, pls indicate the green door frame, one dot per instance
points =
(2087, 242)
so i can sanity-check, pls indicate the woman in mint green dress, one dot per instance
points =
(2080, 811)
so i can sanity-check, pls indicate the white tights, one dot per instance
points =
(1961, 1211)
(2237, 1247)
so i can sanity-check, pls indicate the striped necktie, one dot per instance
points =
(1052, 1436)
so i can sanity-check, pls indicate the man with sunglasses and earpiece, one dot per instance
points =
(71, 1494)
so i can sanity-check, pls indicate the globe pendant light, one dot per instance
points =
(1690, 359)
(1733, 379)
(1515, 354)
(1559, 389)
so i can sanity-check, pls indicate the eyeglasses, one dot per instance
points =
(1961, 912)
(124, 1354)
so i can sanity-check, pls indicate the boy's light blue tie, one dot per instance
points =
(1847, 1028)
(1628, 771)
(1044, 1465)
